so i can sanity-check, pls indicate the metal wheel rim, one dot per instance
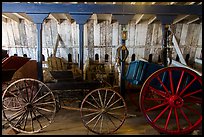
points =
(99, 114)
(177, 102)
(37, 109)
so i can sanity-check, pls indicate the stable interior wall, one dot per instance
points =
(100, 37)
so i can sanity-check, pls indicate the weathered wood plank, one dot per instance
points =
(96, 34)
(115, 34)
(200, 37)
(5, 38)
(183, 35)
(196, 34)
(131, 37)
(10, 33)
(149, 34)
(155, 35)
(190, 33)
(15, 32)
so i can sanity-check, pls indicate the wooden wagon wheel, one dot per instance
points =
(36, 105)
(103, 111)
(171, 100)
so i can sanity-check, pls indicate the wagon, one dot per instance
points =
(170, 97)
(30, 105)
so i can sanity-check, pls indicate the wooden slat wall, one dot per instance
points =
(100, 38)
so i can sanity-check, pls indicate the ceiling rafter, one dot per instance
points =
(139, 18)
(152, 20)
(180, 18)
(11, 16)
(194, 20)
(4, 19)
(23, 16)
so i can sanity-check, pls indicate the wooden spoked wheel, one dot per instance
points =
(34, 108)
(171, 100)
(103, 111)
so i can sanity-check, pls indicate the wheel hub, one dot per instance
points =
(29, 106)
(176, 101)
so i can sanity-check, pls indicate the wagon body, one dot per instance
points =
(10, 65)
(170, 98)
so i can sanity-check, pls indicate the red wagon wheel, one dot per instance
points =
(35, 105)
(103, 111)
(171, 100)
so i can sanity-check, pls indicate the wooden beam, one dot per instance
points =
(172, 3)
(55, 16)
(152, 20)
(68, 17)
(180, 18)
(178, 51)
(139, 19)
(4, 19)
(191, 21)
(11, 16)
(189, 3)
(23, 16)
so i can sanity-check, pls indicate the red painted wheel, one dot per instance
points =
(171, 100)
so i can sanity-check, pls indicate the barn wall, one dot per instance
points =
(101, 37)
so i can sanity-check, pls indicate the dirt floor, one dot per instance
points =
(68, 122)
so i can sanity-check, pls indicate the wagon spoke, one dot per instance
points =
(158, 92)
(156, 107)
(168, 118)
(91, 104)
(112, 115)
(155, 99)
(26, 90)
(37, 120)
(45, 103)
(93, 118)
(44, 109)
(171, 82)
(187, 86)
(118, 107)
(20, 119)
(192, 93)
(114, 103)
(96, 122)
(186, 118)
(163, 111)
(100, 99)
(15, 115)
(95, 101)
(111, 121)
(193, 99)
(90, 114)
(165, 88)
(193, 110)
(41, 97)
(177, 119)
(101, 126)
(31, 120)
(37, 93)
(181, 77)
(27, 113)
(43, 115)
(105, 98)
(110, 99)
(20, 93)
